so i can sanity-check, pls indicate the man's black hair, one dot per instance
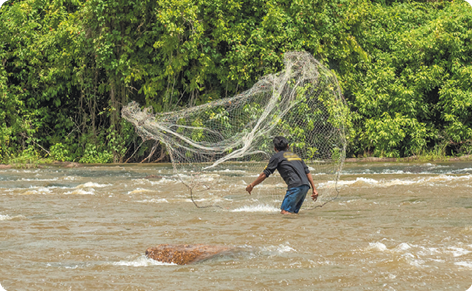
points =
(280, 143)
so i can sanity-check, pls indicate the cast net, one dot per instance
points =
(220, 147)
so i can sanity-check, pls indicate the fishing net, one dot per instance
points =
(218, 148)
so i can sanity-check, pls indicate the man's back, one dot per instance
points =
(290, 166)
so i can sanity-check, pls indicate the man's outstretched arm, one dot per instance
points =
(314, 195)
(259, 180)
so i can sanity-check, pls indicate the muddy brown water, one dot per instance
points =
(394, 227)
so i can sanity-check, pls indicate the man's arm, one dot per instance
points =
(259, 180)
(314, 196)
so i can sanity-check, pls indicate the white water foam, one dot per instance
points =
(5, 217)
(412, 259)
(141, 190)
(163, 181)
(142, 261)
(201, 177)
(39, 180)
(92, 185)
(27, 171)
(358, 181)
(81, 192)
(378, 246)
(8, 217)
(418, 256)
(160, 181)
(279, 249)
(409, 258)
(457, 252)
(466, 265)
(212, 200)
(256, 208)
(369, 182)
(402, 247)
(41, 190)
(160, 200)
(463, 170)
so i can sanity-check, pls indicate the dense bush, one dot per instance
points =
(67, 67)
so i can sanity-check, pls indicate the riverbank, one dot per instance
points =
(40, 165)
(348, 160)
(409, 159)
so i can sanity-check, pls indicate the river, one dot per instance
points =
(394, 226)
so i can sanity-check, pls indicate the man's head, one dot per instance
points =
(280, 143)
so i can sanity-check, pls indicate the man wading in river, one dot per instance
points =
(294, 172)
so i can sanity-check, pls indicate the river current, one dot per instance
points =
(394, 226)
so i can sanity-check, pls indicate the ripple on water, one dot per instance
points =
(467, 265)
(5, 217)
(421, 256)
(426, 240)
(369, 182)
(38, 180)
(93, 185)
(81, 192)
(142, 261)
(256, 208)
(41, 190)
(154, 200)
(140, 191)
(8, 217)
(280, 249)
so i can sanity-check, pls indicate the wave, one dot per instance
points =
(362, 182)
(419, 256)
(279, 249)
(8, 217)
(92, 185)
(160, 200)
(5, 217)
(41, 190)
(140, 190)
(257, 208)
(466, 265)
(81, 192)
(142, 261)
(38, 179)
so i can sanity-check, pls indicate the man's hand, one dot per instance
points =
(249, 188)
(259, 179)
(314, 196)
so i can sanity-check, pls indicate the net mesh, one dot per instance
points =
(229, 141)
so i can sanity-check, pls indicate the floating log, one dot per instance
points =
(185, 254)
(2, 166)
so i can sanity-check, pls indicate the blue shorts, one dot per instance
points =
(294, 198)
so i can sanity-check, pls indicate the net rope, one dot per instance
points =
(229, 141)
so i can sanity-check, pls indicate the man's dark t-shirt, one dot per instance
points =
(290, 166)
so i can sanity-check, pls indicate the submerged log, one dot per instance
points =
(184, 254)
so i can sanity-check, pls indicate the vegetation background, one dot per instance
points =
(67, 67)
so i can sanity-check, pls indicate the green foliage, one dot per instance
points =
(94, 155)
(59, 152)
(68, 67)
(413, 94)
(26, 159)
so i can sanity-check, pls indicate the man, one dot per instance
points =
(294, 172)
